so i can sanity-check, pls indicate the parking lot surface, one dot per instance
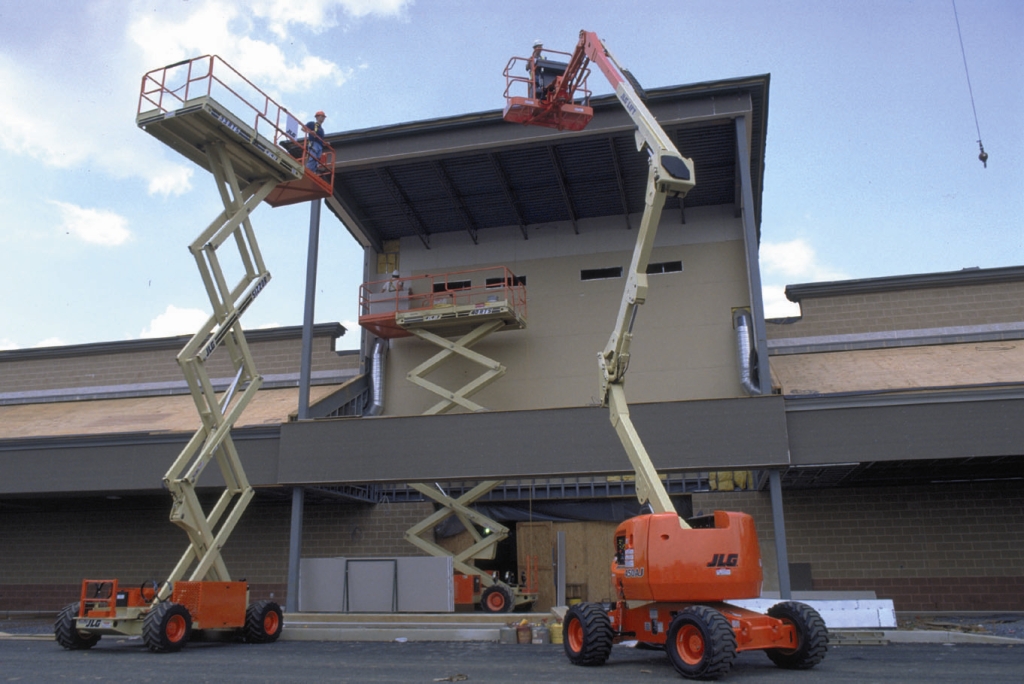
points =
(123, 660)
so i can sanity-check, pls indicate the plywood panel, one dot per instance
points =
(588, 554)
(537, 539)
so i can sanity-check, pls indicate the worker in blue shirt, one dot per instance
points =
(315, 145)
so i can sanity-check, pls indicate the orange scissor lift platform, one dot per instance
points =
(469, 305)
(450, 304)
(192, 104)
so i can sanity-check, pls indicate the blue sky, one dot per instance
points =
(871, 160)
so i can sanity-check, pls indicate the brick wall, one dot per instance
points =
(49, 546)
(938, 547)
(122, 365)
(905, 310)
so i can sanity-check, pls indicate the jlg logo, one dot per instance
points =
(723, 561)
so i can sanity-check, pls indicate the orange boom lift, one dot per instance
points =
(673, 577)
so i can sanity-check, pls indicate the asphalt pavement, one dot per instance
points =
(118, 659)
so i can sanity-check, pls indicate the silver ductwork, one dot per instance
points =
(380, 352)
(745, 351)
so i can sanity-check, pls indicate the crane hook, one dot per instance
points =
(984, 155)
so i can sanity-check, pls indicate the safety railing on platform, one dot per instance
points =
(531, 83)
(472, 288)
(172, 87)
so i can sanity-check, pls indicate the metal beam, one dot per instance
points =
(456, 200)
(560, 176)
(750, 242)
(779, 523)
(686, 435)
(620, 181)
(402, 200)
(295, 549)
(510, 195)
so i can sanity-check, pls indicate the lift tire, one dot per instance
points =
(587, 634)
(700, 643)
(263, 622)
(67, 635)
(812, 636)
(497, 598)
(167, 628)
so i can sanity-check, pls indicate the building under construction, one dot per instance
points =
(876, 439)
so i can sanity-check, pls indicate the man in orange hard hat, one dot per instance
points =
(315, 144)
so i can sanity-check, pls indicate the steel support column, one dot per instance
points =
(295, 549)
(750, 241)
(305, 371)
(779, 523)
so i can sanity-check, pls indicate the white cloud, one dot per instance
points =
(318, 15)
(91, 96)
(50, 342)
(775, 303)
(173, 180)
(794, 259)
(97, 226)
(22, 118)
(6, 344)
(226, 29)
(265, 63)
(174, 321)
(787, 263)
(96, 120)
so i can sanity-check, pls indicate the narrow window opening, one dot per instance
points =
(452, 285)
(510, 282)
(601, 273)
(665, 267)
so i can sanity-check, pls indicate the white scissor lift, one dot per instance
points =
(470, 306)
(256, 151)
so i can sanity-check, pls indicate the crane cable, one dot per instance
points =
(984, 155)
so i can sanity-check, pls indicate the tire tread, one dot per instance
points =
(811, 631)
(597, 631)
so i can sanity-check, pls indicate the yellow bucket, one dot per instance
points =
(556, 633)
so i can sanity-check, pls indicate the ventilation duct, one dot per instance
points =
(745, 350)
(380, 349)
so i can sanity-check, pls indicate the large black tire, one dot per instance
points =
(497, 598)
(700, 643)
(587, 634)
(167, 628)
(263, 622)
(811, 634)
(67, 635)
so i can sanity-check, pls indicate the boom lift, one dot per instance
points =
(254, 156)
(673, 577)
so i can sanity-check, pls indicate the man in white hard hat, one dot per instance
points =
(394, 285)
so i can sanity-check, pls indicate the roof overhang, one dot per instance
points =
(477, 172)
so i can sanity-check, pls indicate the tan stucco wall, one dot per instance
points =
(684, 345)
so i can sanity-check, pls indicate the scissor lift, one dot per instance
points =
(256, 152)
(469, 305)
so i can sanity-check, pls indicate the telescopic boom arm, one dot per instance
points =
(669, 175)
